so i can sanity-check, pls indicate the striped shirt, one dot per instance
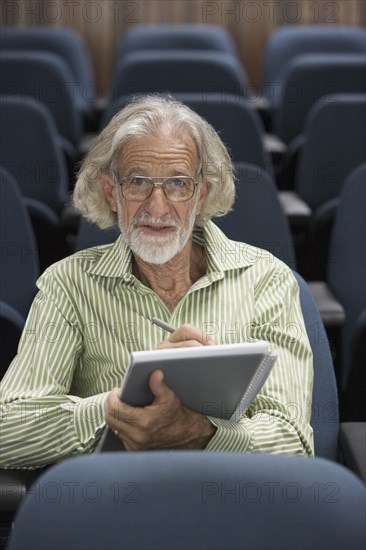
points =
(91, 312)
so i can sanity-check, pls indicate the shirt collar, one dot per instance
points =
(222, 254)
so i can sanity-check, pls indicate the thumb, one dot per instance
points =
(157, 386)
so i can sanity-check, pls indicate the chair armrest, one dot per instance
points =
(297, 210)
(352, 442)
(331, 311)
(264, 110)
(287, 176)
(13, 487)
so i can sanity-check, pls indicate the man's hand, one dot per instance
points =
(165, 424)
(186, 336)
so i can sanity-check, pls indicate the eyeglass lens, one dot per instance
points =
(176, 189)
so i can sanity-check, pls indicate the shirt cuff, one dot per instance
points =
(89, 419)
(230, 436)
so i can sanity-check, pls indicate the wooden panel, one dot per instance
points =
(103, 22)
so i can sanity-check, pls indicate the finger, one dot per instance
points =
(160, 391)
(116, 411)
(189, 332)
(181, 344)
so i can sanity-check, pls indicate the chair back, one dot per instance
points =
(307, 79)
(257, 217)
(90, 235)
(30, 151)
(324, 412)
(205, 72)
(192, 499)
(47, 78)
(19, 256)
(335, 145)
(289, 41)
(11, 326)
(347, 268)
(177, 37)
(62, 41)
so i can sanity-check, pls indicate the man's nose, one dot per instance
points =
(157, 204)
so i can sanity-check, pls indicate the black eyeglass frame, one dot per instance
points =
(160, 183)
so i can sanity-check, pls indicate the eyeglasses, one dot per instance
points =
(176, 188)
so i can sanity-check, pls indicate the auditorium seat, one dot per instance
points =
(346, 281)
(90, 235)
(177, 37)
(19, 257)
(289, 41)
(306, 79)
(64, 42)
(335, 143)
(11, 326)
(45, 77)
(30, 152)
(193, 501)
(257, 217)
(206, 72)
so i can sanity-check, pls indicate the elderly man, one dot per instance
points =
(161, 173)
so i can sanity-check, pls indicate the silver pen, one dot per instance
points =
(162, 324)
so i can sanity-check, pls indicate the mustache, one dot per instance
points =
(145, 218)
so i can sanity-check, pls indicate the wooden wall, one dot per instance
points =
(103, 22)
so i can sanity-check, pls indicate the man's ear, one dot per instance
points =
(203, 190)
(109, 191)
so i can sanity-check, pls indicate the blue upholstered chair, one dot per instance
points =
(46, 77)
(289, 41)
(64, 42)
(177, 37)
(206, 72)
(257, 217)
(308, 78)
(90, 235)
(11, 326)
(192, 500)
(346, 282)
(335, 144)
(19, 257)
(30, 151)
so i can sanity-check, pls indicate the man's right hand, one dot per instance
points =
(186, 336)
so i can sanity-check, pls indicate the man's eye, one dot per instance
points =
(177, 182)
(138, 181)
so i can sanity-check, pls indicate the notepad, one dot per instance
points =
(215, 380)
(218, 380)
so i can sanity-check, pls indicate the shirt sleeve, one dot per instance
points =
(41, 422)
(278, 419)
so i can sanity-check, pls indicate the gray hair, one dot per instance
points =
(142, 118)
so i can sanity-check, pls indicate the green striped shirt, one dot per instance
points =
(91, 312)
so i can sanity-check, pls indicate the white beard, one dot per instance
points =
(154, 249)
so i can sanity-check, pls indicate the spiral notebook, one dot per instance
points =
(217, 380)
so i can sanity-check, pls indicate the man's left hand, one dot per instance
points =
(165, 424)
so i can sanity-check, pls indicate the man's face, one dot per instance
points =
(157, 229)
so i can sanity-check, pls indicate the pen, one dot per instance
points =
(162, 324)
